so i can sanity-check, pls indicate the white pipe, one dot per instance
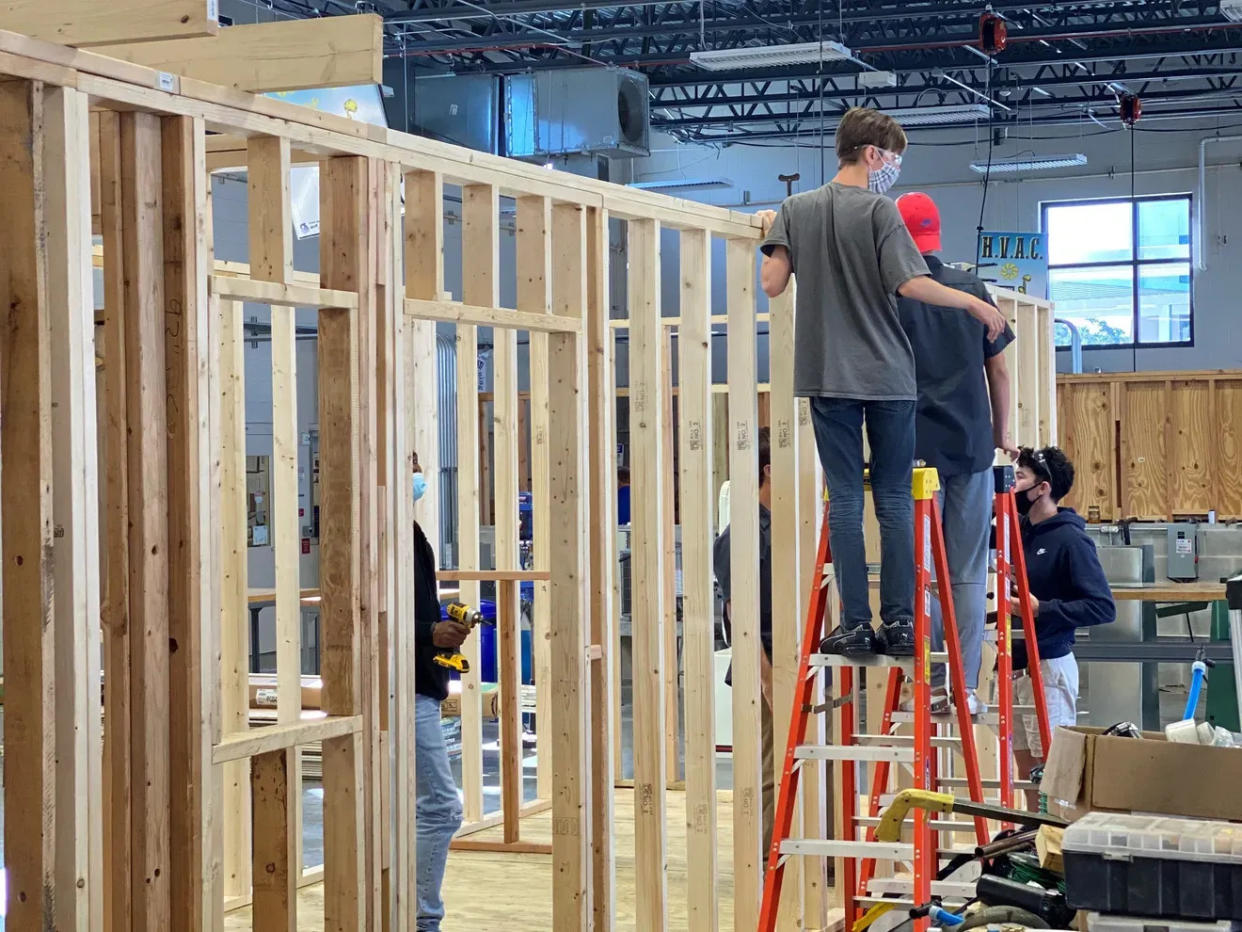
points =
(1201, 200)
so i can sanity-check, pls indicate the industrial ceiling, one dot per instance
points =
(1063, 63)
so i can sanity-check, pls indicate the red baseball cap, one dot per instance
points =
(922, 219)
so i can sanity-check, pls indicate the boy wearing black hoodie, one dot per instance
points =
(1068, 591)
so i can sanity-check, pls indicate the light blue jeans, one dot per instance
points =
(966, 512)
(438, 813)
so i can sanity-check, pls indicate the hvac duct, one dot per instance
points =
(599, 111)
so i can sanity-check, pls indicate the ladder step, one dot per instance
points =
(938, 741)
(940, 825)
(886, 799)
(872, 660)
(990, 717)
(835, 848)
(853, 752)
(874, 850)
(988, 784)
(898, 885)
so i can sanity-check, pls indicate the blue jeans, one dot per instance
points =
(438, 813)
(966, 513)
(838, 426)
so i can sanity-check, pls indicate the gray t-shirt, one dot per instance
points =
(851, 252)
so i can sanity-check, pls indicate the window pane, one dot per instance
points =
(1100, 301)
(1164, 229)
(1164, 302)
(1089, 233)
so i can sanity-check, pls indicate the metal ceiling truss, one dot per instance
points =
(1064, 60)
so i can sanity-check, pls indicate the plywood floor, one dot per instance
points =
(486, 892)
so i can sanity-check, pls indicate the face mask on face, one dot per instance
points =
(881, 179)
(420, 486)
(1023, 501)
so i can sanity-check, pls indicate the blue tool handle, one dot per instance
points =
(1196, 686)
(943, 917)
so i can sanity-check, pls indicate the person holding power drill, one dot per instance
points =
(439, 804)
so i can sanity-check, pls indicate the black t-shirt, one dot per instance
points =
(953, 423)
(430, 679)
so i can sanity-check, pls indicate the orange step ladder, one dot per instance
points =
(884, 749)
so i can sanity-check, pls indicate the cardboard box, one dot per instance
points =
(1087, 771)
(451, 706)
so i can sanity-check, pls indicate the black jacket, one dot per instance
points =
(430, 679)
(1065, 575)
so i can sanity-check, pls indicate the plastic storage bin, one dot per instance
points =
(1154, 866)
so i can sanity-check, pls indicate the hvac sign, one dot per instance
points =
(1014, 260)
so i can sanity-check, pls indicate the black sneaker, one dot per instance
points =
(895, 639)
(856, 641)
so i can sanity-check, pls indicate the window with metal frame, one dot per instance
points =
(1120, 269)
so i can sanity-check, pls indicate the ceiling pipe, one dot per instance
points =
(965, 41)
(1200, 205)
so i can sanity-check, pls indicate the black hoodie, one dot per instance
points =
(430, 679)
(1066, 577)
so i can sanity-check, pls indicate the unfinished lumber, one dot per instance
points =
(480, 218)
(274, 904)
(744, 590)
(601, 548)
(668, 565)
(66, 159)
(280, 294)
(85, 23)
(788, 595)
(234, 610)
(456, 312)
(288, 55)
(26, 502)
(256, 741)
(534, 296)
(114, 611)
(647, 556)
(698, 595)
(344, 197)
(142, 210)
(271, 260)
(485, 210)
(566, 626)
(185, 317)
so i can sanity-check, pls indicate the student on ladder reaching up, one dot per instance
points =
(1068, 591)
(853, 256)
(960, 419)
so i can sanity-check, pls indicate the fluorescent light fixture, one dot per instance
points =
(879, 78)
(770, 56)
(682, 184)
(1029, 163)
(930, 116)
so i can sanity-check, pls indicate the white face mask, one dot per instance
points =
(881, 179)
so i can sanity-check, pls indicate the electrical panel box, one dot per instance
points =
(1183, 552)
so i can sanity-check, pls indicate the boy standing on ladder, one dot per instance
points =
(959, 421)
(1068, 591)
(853, 257)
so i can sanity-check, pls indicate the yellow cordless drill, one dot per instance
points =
(463, 615)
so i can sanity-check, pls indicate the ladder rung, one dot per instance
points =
(853, 752)
(901, 741)
(988, 784)
(940, 825)
(872, 660)
(899, 885)
(886, 799)
(990, 717)
(834, 848)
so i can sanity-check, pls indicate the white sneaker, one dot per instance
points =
(976, 705)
